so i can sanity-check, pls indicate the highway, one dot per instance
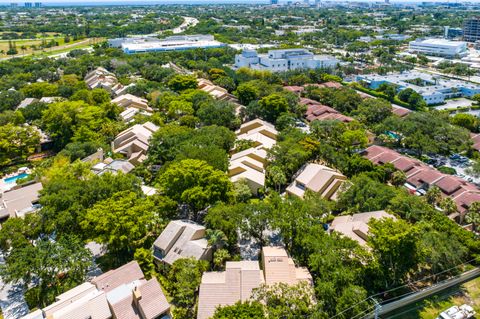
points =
(427, 292)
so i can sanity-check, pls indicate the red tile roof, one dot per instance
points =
(420, 174)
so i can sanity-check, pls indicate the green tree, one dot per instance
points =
(195, 183)
(184, 277)
(10, 99)
(16, 143)
(286, 301)
(240, 310)
(373, 111)
(219, 258)
(473, 215)
(468, 121)
(433, 195)
(144, 257)
(180, 82)
(39, 90)
(247, 92)
(394, 246)
(51, 267)
(272, 106)
(124, 222)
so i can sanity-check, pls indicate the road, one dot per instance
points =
(427, 292)
(187, 23)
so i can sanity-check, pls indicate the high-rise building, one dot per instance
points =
(318, 3)
(38, 4)
(471, 29)
(28, 4)
(273, 2)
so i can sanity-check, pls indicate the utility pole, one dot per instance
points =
(378, 307)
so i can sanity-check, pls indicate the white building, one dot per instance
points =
(439, 47)
(173, 43)
(284, 60)
(433, 89)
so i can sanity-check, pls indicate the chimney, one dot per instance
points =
(137, 295)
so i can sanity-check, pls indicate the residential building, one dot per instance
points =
(132, 101)
(134, 142)
(181, 239)
(319, 179)
(83, 301)
(239, 279)
(471, 29)
(26, 102)
(439, 47)
(249, 164)
(278, 267)
(101, 78)
(284, 60)
(320, 112)
(433, 89)
(130, 295)
(451, 33)
(355, 226)
(219, 93)
(227, 287)
(420, 177)
(173, 43)
(20, 201)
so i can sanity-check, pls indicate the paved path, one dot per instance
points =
(12, 300)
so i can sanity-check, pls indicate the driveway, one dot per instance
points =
(12, 300)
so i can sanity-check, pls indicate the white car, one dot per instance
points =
(455, 312)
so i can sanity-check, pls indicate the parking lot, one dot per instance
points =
(458, 162)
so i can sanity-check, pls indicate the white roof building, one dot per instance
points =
(319, 179)
(134, 142)
(438, 47)
(132, 101)
(284, 60)
(173, 43)
(355, 226)
(434, 89)
(249, 164)
(181, 239)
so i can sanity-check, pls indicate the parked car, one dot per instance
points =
(455, 312)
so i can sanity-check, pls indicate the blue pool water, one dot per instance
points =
(13, 179)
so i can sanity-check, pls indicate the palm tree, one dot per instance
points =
(433, 195)
(473, 215)
(219, 259)
(216, 239)
(448, 205)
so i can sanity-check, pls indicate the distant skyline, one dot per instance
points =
(123, 2)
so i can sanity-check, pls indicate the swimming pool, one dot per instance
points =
(13, 179)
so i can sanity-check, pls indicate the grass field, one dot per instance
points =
(62, 47)
(468, 293)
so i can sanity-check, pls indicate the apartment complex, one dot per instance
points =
(249, 164)
(355, 226)
(319, 179)
(122, 293)
(471, 29)
(181, 239)
(103, 79)
(132, 101)
(420, 177)
(134, 142)
(219, 93)
(240, 278)
(284, 60)
(320, 112)
(439, 47)
(433, 89)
